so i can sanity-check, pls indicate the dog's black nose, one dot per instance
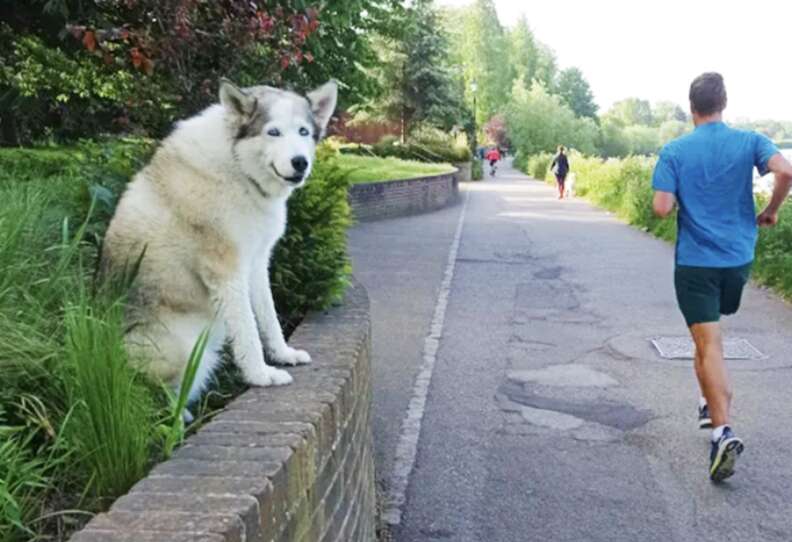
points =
(300, 164)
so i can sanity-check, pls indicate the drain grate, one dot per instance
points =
(683, 348)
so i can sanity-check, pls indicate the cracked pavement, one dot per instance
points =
(550, 417)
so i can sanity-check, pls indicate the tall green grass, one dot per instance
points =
(78, 424)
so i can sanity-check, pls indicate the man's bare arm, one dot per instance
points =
(663, 203)
(783, 182)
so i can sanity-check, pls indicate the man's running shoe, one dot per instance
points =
(704, 420)
(724, 455)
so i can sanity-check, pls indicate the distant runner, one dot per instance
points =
(493, 155)
(560, 168)
(709, 175)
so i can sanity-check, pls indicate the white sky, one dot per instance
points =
(653, 50)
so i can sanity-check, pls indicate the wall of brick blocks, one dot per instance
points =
(293, 463)
(375, 201)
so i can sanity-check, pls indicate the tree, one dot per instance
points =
(430, 89)
(142, 63)
(419, 84)
(576, 92)
(546, 66)
(538, 121)
(630, 112)
(666, 111)
(495, 128)
(480, 47)
(612, 142)
(643, 140)
(523, 51)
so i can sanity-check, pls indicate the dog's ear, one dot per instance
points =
(323, 102)
(236, 100)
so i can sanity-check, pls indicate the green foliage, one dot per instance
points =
(778, 131)
(70, 68)
(635, 127)
(113, 431)
(774, 254)
(631, 111)
(642, 140)
(538, 122)
(426, 145)
(24, 478)
(538, 165)
(481, 47)
(612, 141)
(420, 84)
(575, 91)
(668, 111)
(174, 432)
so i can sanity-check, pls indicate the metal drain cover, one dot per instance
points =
(683, 348)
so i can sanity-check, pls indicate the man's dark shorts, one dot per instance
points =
(560, 179)
(704, 293)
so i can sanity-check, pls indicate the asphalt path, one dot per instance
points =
(549, 415)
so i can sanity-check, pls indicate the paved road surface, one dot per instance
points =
(549, 417)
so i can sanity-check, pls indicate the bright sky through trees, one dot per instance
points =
(652, 50)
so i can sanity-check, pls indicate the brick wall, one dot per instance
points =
(279, 464)
(374, 201)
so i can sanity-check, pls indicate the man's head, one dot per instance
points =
(707, 96)
(561, 149)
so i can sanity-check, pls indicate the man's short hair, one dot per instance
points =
(708, 94)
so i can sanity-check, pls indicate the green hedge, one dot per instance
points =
(624, 187)
(62, 445)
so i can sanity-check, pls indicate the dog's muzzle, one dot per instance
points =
(294, 179)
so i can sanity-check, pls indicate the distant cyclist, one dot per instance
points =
(560, 168)
(493, 155)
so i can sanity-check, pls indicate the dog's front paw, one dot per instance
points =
(291, 356)
(269, 377)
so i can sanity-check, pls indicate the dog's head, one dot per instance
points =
(275, 132)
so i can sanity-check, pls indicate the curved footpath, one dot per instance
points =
(549, 416)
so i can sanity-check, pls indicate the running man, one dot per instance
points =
(560, 168)
(709, 174)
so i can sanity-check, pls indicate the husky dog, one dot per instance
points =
(200, 221)
(569, 186)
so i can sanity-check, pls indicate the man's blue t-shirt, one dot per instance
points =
(710, 171)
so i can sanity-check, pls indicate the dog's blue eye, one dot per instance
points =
(274, 132)
(304, 131)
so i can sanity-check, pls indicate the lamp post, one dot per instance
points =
(473, 89)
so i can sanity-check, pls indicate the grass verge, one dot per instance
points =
(366, 169)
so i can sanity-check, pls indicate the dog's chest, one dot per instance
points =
(255, 233)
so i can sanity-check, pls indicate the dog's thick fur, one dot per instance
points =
(205, 214)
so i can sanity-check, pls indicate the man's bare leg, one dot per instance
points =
(711, 371)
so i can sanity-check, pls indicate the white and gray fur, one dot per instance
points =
(206, 213)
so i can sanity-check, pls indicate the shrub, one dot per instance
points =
(427, 146)
(538, 165)
(72, 69)
(774, 253)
